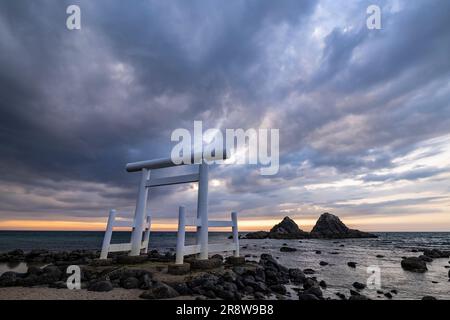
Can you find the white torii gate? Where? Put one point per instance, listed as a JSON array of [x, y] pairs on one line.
[[142, 222]]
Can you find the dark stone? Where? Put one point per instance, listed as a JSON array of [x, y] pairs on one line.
[[160, 291], [182, 288], [210, 294], [388, 295], [323, 263], [130, 283], [34, 270], [179, 269], [354, 293], [331, 227], [224, 294], [309, 282], [217, 256], [323, 284], [394, 291], [379, 256], [101, 286], [341, 296], [359, 285], [309, 271], [414, 264], [428, 298], [278, 288], [8, 279], [297, 276], [351, 264], [287, 249], [435, 253], [307, 297], [315, 291], [257, 235], [318, 252]]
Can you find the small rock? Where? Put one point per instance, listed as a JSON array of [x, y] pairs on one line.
[[414, 264], [309, 271], [217, 256], [8, 279], [160, 291], [323, 263], [354, 293], [318, 252], [323, 284], [101, 286], [130, 283], [388, 295], [341, 296], [309, 282], [394, 291], [297, 276], [278, 288], [287, 249], [359, 285], [315, 291], [379, 256], [351, 264], [307, 297], [429, 298]]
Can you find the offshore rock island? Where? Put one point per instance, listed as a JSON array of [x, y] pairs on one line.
[[328, 226]]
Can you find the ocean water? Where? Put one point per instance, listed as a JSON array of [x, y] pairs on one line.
[[338, 276]]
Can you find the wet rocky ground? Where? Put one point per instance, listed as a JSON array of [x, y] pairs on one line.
[[254, 277]]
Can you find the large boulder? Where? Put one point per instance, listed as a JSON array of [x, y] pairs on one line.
[[8, 279], [287, 229], [414, 264], [330, 226]]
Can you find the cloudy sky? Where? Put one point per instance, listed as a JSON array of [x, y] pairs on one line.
[[364, 115]]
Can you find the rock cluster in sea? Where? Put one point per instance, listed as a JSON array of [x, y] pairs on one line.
[[419, 264], [328, 226]]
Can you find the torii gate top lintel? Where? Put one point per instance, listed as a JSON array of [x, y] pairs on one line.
[[168, 162]]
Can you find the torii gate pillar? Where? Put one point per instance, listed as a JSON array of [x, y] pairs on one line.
[[202, 211]]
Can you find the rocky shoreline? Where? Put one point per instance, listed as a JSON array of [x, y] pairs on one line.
[[328, 226], [155, 276]]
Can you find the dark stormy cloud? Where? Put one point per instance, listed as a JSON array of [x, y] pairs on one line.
[[364, 115]]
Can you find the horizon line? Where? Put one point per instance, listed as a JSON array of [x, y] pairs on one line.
[[214, 231]]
